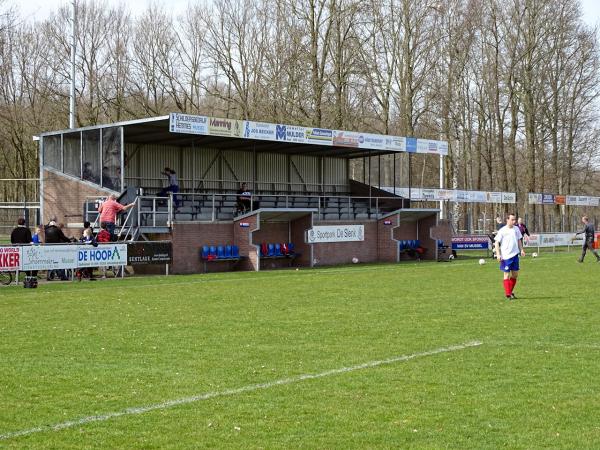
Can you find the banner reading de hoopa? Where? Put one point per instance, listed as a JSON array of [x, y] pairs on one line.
[[102, 256]]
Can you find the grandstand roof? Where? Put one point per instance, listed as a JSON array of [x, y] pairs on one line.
[[156, 130]]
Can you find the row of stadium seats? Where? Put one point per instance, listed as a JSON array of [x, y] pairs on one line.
[[277, 250], [220, 252], [410, 244]]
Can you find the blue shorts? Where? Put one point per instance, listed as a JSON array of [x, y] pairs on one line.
[[512, 264]]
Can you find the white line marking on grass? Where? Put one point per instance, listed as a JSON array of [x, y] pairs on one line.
[[229, 392]]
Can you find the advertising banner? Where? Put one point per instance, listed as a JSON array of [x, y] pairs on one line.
[[548, 199], [552, 240], [290, 133], [509, 197], [346, 138], [49, 257], [335, 233], [259, 130], [102, 256], [494, 197], [248, 129], [225, 127], [142, 253], [395, 143], [10, 259], [320, 136], [373, 141], [187, 123], [470, 242]]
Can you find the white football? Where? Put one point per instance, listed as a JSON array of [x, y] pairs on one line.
[[451, 257], [354, 260], [481, 262], [534, 255]]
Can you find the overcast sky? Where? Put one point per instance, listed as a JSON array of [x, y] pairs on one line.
[[39, 9]]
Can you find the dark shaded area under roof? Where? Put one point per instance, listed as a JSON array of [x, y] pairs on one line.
[[157, 132]]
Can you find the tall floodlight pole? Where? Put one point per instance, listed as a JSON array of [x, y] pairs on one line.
[[73, 52]]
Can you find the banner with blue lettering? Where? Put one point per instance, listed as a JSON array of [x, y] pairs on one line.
[[102, 256]]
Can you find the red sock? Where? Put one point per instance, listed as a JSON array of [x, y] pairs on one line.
[[513, 282], [507, 286]]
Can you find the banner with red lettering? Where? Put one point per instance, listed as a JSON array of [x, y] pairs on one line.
[[10, 259]]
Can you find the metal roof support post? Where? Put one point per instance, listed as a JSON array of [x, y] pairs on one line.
[[379, 170], [394, 173], [409, 175], [122, 165]]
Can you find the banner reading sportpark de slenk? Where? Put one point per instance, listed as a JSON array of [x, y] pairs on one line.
[[277, 132]]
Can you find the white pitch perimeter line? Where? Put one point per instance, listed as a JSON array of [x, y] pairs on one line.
[[229, 392]]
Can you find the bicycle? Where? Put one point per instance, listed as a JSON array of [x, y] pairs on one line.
[[6, 278]]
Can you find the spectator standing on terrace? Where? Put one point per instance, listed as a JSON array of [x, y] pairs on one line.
[[173, 185], [102, 238], [508, 245], [588, 240], [108, 212]]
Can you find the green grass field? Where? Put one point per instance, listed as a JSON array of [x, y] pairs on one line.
[[235, 349]]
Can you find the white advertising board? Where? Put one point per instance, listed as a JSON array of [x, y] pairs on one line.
[[101, 256], [49, 257], [335, 233], [188, 123]]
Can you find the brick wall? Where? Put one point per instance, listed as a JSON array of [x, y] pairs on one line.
[[298, 231], [188, 239], [387, 246], [343, 252], [427, 242], [63, 198], [243, 239]]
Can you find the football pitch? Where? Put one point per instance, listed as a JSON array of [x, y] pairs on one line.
[[411, 355]]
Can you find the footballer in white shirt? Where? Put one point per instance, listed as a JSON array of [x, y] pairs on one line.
[[509, 246]]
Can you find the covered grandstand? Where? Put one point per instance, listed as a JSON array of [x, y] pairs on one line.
[[298, 176]]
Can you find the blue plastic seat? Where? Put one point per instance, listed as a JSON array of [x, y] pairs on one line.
[[205, 252], [291, 248], [228, 251], [271, 250], [212, 251], [220, 251], [417, 243], [235, 251], [278, 250]]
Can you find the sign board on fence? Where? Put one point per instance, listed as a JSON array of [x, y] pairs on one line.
[[335, 233], [470, 242], [102, 256], [10, 259], [141, 253], [552, 240], [49, 257]]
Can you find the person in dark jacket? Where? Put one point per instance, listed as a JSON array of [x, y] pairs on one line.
[[54, 235], [588, 242], [523, 228], [22, 235]]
